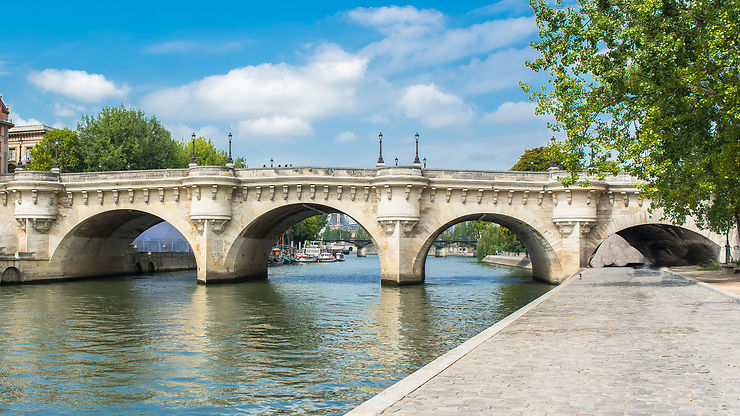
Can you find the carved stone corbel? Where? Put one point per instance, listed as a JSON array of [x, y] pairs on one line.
[[511, 196], [161, 194], [70, 198], [421, 193], [388, 226], [586, 227], [610, 195], [218, 226], [432, 192], [377, 193], [408, 227], [408, 191], [495, 196], [326, 192], [626, 198], [230, 193], [480, 195], [4, 196], [464, 195], [115, 196], [449, 194], [272, 192], [18, 197], [176, 191], [22, 223], [298, 191], [146, 195], [554, 197], [525, 196], [245, 193], [639, 198], [190, 194], [589, 197], [196, 191], [199, 225], [258, 190], [100, 196], [42, 225], [214, 192], [388, 191], [34, 196], [367, 193], [540, 195], [565, 227], [569, 196], [352, 191], [130, 196], [312, 192], [339, 192], [285, 192], [84, 197]]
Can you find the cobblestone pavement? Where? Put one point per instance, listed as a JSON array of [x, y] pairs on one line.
[[619, 341]]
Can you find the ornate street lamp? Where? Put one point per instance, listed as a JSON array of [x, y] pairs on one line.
[[20, 152], [56, 153], [425, 163], [271, 162], [553, 164], [417, 162], [192, 156], [380, 150], [229, 161], [396, 159]]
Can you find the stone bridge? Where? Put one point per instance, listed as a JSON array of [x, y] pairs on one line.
[[69, 225]]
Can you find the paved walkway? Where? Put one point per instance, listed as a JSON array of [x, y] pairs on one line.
[[616, 342]]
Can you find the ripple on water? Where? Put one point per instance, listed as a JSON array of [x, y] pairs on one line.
[[313, 339]]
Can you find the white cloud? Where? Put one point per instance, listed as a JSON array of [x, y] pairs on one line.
[[187, 46], [19, 121], [277, 126], [433, 107], [418, 37], [325, 86], [513, 112], [67, 109], [181, 131], [78, 85], [505, 6], [345, 136], [500, 70]]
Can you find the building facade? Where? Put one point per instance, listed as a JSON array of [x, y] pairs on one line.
[[5, 125], [21, 140]]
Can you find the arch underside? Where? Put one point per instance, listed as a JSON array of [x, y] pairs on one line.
[[669, 245], [545, 262], [100, 245], [248, 256]]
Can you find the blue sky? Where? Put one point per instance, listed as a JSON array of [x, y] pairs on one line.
[[306, 83]]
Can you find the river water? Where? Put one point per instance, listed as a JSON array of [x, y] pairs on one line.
[[312, 339]]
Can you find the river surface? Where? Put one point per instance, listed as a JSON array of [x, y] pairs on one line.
[[313, 339]]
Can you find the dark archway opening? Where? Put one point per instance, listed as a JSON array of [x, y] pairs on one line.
[[661, 245]]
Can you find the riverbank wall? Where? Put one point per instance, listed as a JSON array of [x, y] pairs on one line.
[[155, 262], [513, 261]]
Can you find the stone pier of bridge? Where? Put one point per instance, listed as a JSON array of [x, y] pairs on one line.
[[70, 225]]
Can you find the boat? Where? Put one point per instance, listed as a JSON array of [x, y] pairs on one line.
[[339, 256], [305, 258], [326, 257]]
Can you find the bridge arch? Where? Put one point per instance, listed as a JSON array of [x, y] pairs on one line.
[[545, 262], [248, 255], [98, 244], [660, 241]]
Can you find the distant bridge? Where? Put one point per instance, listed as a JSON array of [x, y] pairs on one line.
[[67, 225]]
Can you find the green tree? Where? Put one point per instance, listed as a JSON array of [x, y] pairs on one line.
[[119, 136], [362, 234], [308, 229], [42, 155], [206, 154], [495, 238], [653, 86], [537, 159]]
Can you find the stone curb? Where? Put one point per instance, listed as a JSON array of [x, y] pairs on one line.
[[406, 386], [709, 286]]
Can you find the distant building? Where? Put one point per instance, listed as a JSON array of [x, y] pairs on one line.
[[337, 221], [21, 140], [5, 125]]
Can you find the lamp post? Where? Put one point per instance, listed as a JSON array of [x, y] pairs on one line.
[[380, 151], [229, 161], [417, 162], [56, 153], [396, 159], [192, 156], [553, 164], [425, 162], [271, 162], [20, 152]]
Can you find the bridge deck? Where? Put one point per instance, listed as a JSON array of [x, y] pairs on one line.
[[618, 341]]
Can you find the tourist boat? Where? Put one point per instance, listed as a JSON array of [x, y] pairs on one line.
[[275, 257], [326, 257], [339, 256], [305, 258]]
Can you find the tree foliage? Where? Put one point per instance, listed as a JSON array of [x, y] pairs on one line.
[[42, 155], [537, 159], [653, 86], [119, 136], [495, 238], [464, 231], [308, 229]]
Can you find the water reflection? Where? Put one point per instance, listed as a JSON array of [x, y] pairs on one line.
[[315, 339]]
